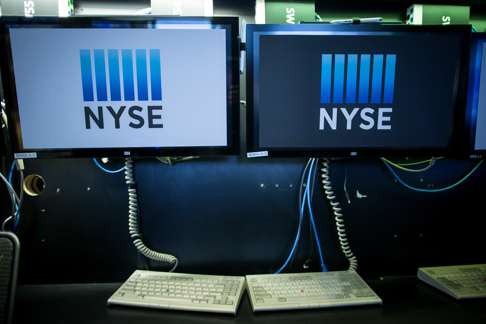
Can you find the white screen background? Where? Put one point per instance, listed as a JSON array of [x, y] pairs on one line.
[[50, 98]]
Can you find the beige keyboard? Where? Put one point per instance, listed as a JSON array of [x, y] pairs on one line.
[[309, 290], [460, 282], [189, 292]]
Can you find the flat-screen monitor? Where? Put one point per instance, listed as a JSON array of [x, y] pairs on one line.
[[324, 90], [476, 107], [121, 86]]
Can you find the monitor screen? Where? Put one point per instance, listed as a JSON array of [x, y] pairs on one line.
[[122, 87], [477, 94], [320, 89]]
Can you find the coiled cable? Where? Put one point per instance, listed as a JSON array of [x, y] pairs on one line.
[[338, 216], [133, 226]]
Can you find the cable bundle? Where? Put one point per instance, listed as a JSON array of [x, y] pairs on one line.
[[16, 199], [305, 199]]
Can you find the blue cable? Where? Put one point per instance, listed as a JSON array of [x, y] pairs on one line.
[[296, 240], [313, 224], [98, 164], [406, 185], [10, 172], [306, 198], [17, 219], [297, 236], [17, 211]]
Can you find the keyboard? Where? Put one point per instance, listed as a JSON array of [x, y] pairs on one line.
[[189, 292], [460, 282], [309, 290]]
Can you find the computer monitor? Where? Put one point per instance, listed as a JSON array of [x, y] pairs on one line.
[[476, 107], [340, 90], [121, 86]]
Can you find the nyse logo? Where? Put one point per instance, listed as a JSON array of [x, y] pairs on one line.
[[122, 85], [355, 85]]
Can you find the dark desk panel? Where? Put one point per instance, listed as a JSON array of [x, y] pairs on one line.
[[405, 301]]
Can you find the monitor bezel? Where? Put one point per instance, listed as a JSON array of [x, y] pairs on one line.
[[456, 144], [472, 101], [230, 24]]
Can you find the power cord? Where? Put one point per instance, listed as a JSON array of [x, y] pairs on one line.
[[133, 225], [338, 216]]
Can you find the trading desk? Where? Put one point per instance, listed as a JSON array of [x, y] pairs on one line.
[[406, 300]]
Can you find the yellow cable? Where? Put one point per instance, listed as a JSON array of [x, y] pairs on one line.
[[403, 168], [420, 162]]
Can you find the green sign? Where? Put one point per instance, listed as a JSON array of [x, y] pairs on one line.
[[289, 12]]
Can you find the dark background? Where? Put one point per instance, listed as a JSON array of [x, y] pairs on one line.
[[235, 216], [238, 216]]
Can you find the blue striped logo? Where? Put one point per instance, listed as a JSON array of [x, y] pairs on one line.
[[115, 71], [358, 78]]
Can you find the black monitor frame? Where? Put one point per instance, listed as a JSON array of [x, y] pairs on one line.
[[473, 88], [230, 24], [455, 147]]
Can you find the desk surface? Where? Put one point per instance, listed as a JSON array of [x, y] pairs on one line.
[[406, 300]]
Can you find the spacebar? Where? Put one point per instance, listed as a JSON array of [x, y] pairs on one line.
[[307, 300], [175, 300], [162, 301]]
